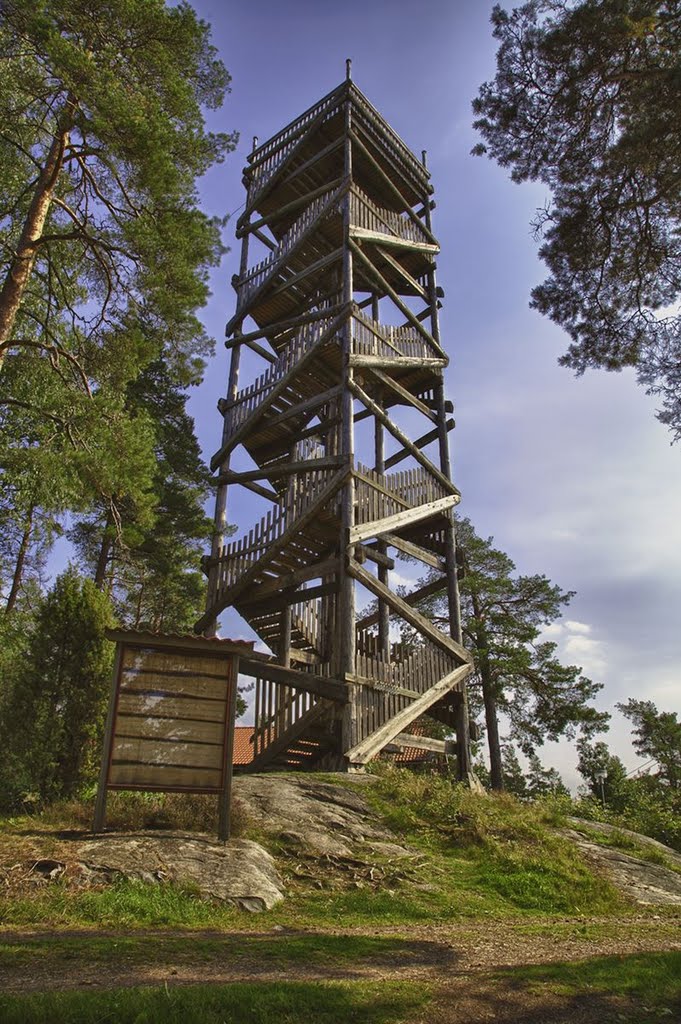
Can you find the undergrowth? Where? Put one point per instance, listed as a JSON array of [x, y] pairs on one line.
[[510, 847]]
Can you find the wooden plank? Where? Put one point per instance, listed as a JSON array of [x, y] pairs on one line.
[[152, 683], [310, 572], [373, 744], [182, 708], [286, 469], [414, 618], [379, 527], [405, 739], [320, 686], [133, 776], [256, 602], [394, 362], [171, 753], [152, 728], [394, 241]]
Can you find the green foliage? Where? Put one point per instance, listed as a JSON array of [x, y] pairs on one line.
[[384, 1002], [124, 83], [587, 100], [53, 714], [643, 804], [503, 614], [657, 736], [148, 557]]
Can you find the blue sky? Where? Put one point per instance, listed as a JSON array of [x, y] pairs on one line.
[[574, 478]]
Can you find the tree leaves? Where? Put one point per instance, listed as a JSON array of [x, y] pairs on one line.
[[587, 99]]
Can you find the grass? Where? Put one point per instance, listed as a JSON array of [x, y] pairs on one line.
[[619, 840], [312, 949], [651, 980], [503, 850], [284, 1002], [477, 857]]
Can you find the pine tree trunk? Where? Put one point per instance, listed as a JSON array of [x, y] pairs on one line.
[[21, 266], [104, 555], [19, 566], [491, 720]]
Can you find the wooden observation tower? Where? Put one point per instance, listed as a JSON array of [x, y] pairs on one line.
[[346, 428]]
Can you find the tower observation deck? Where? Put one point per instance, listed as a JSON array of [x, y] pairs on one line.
[[346, 428]]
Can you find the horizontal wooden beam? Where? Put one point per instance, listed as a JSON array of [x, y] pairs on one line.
[[403, 362], [405, 739], [373, 744], [285, 469], [393, 241], [319, 570], [263, 667], [283, 600]]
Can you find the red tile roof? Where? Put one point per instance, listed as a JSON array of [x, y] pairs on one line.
[[243, 749]]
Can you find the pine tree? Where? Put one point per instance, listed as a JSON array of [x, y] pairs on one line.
[[587, 100], [54, 715], [516, 673]]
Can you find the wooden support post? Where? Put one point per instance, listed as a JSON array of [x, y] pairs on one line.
[[462, 729], [346, 597], [225, 798], [100, 803], [381, 546]]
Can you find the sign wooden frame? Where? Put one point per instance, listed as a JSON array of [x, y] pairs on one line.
[[170, 723]]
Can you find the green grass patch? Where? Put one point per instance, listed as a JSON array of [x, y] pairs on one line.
[[281, 949], [516, 860], [651, 980], [284, 1002], [121, 904]]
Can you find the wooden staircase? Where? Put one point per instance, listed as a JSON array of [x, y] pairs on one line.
[[342, 208]]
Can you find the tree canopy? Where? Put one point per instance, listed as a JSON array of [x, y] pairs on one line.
[[587, 100], [103, 139]]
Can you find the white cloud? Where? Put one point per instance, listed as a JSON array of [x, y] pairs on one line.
[[577, 627]]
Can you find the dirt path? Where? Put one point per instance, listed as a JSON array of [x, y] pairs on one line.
[[448, 955]]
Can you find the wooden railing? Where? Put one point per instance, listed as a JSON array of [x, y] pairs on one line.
[[417, 671], [259, 273], [237, 557], [268, 157], [365, 214], [387, 138], [249, 398], [385, 494], [369, 338], [277, 708]]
